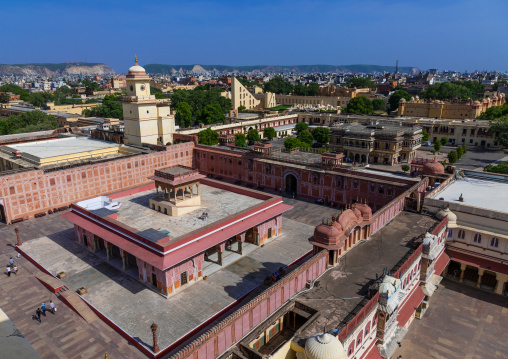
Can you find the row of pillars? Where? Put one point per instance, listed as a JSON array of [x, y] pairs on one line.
[[499, 278]]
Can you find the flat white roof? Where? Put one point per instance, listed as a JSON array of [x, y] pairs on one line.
[[61, 146], [476, 192]]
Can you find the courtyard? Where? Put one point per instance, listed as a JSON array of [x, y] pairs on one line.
[[462, 322]]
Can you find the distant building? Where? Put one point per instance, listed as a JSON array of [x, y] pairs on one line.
[[240, 96]]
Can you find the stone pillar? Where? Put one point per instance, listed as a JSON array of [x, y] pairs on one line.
[[125, 262], [462, 269], [240, 246], [445, 271], [220, 249], [480, 275], [501, 279], [17, 235], [155, 348]]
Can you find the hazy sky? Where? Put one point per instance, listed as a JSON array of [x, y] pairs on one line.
[[447, 34]]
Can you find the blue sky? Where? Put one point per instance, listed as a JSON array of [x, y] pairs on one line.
[[447, 34]]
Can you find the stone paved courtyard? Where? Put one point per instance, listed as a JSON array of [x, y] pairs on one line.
[[133, 306], [462, 322]]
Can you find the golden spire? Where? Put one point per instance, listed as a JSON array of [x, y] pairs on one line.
[[135, 58], [106, 357]]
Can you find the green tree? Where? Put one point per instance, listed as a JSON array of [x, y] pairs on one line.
[[306, 137], [241, 108], [321, 134], [90, 86], [437, 145], [29, 121], [464, 148], [452, 156], [269, 132], [211, 114], [378, 104], [15, 89], [183, 116], [253, 135], [460, 152], [394, 99], [500, 129], [426, 135], [111, 107], [405, 168], [240, 140], [496, 85], [500, 168], [494, 112], [4, 97], [301, 126], [360, 105], [294, 142], [303, 90], [208, 137], [464, 90], [160, 96], [444, 141], [361, 82], [279, 86]]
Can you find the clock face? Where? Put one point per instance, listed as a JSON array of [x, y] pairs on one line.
[[142, 87]]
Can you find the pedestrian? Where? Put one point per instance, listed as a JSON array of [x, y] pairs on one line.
[[52, 307], [15, 270], [43, 307], [293, 194], [38, 313], [280, 189], [8, 271], [11, 262]]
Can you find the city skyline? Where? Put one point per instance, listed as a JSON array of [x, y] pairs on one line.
[[443, 36]]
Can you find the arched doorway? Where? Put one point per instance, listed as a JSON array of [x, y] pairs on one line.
[[489, 281], [454, 270], [471, 275], [291, 184], [357, 158], [364, 158]]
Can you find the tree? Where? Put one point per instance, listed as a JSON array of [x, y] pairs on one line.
[[464, 90], [426, 135], [208, 137], [306, 137], [4, 97], [240, 140], [444, 141], [464, 148], [241, 108], [500, 128], [494, 112], [253, 135], [90, 86], [405, 168], [111, 107], [269, 133], [360, 105], [394, 99], [302, 126], [29, 121], [303, 90], [361, 82], [378, 104], [211, 114], [500, 168], [460, 152], [437, 145], [294, 142], [321, 134], [496, 85], [452, 156], [183, 116], [160, 96], [279, 86], [15, 89]]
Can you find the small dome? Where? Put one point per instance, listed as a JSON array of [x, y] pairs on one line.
[[389, 285], [347, 217], [452, 217], [137, 69], [427, 241], [402, 100], [477, 103], [324, 346], [326, 234], [432, 168], [365, 210]]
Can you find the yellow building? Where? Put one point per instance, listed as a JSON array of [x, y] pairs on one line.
[[147, 120], [451, 110], [240, 96]]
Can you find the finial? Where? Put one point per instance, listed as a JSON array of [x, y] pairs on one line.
[[106, 356], [324, 329], [136, 59]]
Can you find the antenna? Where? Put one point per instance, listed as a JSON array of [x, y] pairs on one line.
[[397, 67]]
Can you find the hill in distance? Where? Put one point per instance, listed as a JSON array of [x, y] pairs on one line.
[[168, 69], [48, 69]]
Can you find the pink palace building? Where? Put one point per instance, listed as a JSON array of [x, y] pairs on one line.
[[175, 230]]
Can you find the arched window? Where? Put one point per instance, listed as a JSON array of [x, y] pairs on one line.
[[461, 234], [477, 238], [450, 233], [494, 242]]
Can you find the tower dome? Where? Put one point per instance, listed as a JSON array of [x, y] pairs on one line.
[[136, 69], [433, 168], [324, 346]]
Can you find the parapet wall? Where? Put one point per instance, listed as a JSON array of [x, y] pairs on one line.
[[25, 194]]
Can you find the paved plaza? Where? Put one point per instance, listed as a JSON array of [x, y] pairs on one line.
[[462, 322], [134, 307], [218, 203]]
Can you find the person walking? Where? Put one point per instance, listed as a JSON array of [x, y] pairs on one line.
[[8, 271], [15, 269], [52, 307], [38, 312], [43, 307], [11, 262]]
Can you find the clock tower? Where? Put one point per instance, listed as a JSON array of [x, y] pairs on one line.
[[147, 120]]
